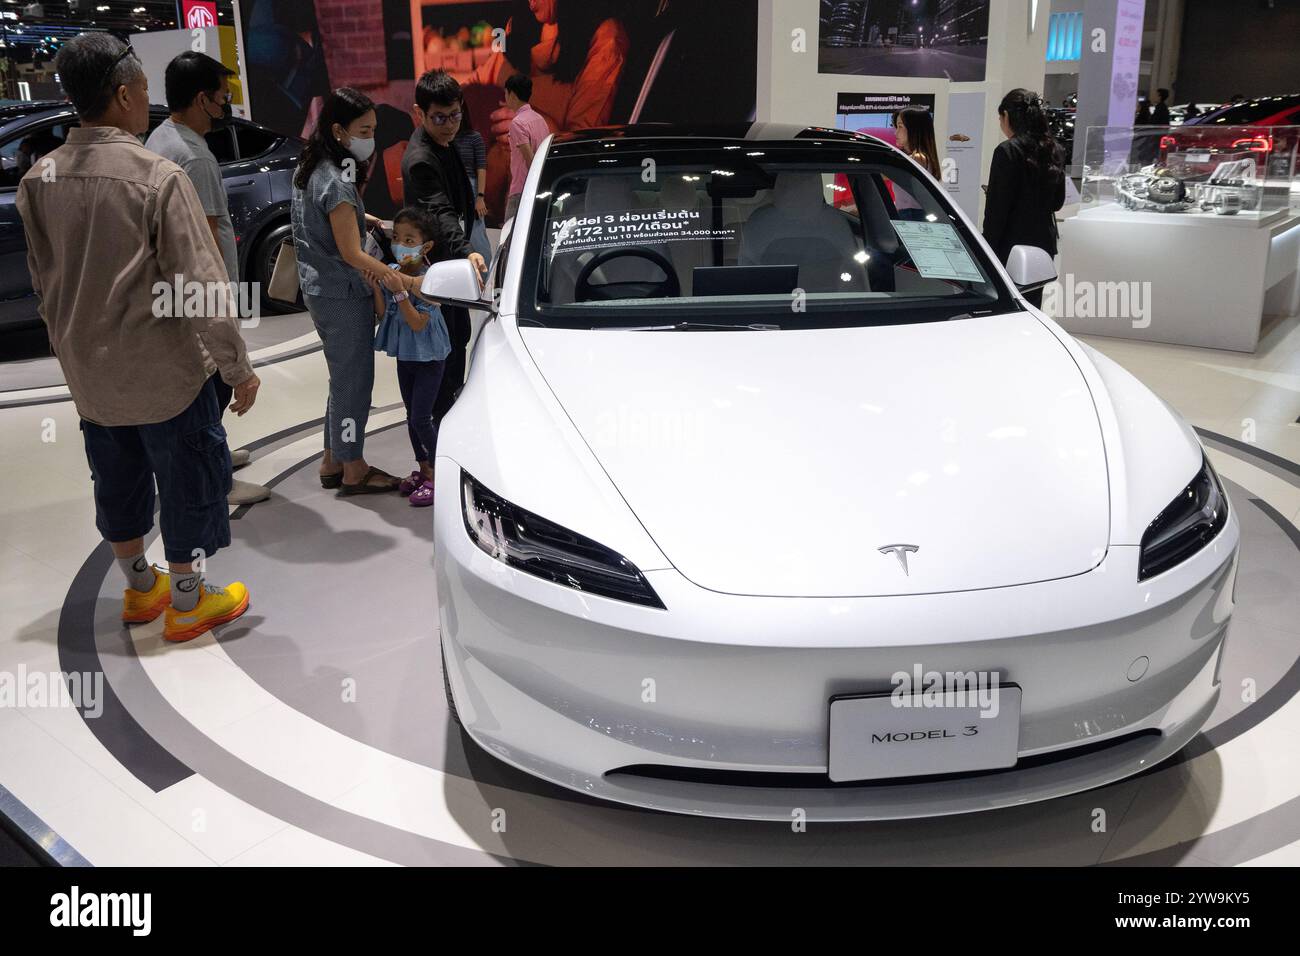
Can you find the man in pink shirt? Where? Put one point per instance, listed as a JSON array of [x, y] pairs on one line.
[[527, 130]]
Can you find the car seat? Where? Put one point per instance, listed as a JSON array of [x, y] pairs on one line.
[[800, 228]]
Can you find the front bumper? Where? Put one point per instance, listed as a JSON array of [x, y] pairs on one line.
[[719, 705]]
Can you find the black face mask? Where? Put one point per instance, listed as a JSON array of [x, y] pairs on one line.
[[222, 121]]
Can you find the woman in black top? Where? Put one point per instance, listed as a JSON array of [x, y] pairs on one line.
[[1026, 181], [473, 156]]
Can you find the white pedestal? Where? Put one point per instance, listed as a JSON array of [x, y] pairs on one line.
[[1212, 279]]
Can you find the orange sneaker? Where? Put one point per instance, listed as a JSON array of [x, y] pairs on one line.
[[141, 607], [216, 606]]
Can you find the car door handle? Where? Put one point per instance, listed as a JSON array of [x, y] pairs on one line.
[[246, 182]]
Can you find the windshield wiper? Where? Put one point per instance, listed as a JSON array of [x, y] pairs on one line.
[[692, 327]]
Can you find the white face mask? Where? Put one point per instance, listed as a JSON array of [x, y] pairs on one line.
[[361, 148]]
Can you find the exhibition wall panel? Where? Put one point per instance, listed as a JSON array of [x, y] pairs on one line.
[[641, 60], [791, 88]]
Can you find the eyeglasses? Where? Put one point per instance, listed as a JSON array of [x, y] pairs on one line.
[[442, 119], [129, 51]]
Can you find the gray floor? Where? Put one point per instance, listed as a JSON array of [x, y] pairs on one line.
[[344, 588]]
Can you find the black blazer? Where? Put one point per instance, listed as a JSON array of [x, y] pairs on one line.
[[1020, 208], [434, 178]]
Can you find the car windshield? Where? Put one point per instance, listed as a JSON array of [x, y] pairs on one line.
[[751, 233]]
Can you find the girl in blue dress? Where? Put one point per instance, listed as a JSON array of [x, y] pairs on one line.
[[412, 330]]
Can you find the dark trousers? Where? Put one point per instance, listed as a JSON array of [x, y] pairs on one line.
[[419, 383], [224, 392], [187, 457], [453, 372]]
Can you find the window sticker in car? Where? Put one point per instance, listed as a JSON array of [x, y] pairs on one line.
[[937, 251], [631, 227]]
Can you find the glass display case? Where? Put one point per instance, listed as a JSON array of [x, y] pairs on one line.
[[1190, 170]]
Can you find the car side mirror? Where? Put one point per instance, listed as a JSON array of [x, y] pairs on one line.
[[454, 282], [1030, 267]]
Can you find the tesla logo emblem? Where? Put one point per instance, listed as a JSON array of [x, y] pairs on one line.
[[899, 551]]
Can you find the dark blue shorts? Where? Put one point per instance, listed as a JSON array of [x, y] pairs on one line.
[[188, 459]]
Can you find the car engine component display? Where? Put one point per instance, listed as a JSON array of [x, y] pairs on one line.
[[1231, 188], [1166, 189], [1147, 192]]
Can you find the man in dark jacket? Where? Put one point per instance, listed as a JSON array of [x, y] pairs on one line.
[[434, 179], [1160, 112]]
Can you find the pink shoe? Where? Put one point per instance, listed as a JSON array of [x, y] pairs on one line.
[[422, 497], [408, 484]]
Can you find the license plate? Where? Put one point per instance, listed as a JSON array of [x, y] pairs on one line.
[[876, 736]]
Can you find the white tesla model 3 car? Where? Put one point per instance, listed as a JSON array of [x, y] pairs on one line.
[[768, 494]]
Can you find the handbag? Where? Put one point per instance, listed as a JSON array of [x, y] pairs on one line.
[[376, 244], [284, 277]]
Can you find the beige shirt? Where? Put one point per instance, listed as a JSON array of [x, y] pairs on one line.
[[109, 226]]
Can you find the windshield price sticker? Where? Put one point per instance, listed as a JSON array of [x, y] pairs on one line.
[[937, 251], [631, 228]]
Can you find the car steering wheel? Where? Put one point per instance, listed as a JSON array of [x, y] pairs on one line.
[[584, 290]]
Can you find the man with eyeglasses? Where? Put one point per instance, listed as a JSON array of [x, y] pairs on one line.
[[107, 223], [434, 179], [433, 176]]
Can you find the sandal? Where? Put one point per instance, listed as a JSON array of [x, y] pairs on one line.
[[331, 481], [366, 487], [422, 497], [412, 481]]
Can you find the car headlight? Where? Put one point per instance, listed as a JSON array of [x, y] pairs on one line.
[[1187, 524], [539, 547]]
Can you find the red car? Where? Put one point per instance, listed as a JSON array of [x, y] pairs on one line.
[[1207, 133]]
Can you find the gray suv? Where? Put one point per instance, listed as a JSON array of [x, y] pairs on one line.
[[257, 166]]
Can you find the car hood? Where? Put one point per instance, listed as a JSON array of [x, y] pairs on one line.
[[789, 462]]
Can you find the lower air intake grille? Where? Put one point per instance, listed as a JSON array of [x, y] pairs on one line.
[[776, 780]]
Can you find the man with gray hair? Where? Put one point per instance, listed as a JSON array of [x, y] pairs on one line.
[[108, 223]]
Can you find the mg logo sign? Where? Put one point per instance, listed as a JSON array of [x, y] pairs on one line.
[[199, 14]]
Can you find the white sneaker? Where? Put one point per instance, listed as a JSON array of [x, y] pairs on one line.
[[246, 493], [239, 457]]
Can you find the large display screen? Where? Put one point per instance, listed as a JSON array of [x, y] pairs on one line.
[[931, 38]]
